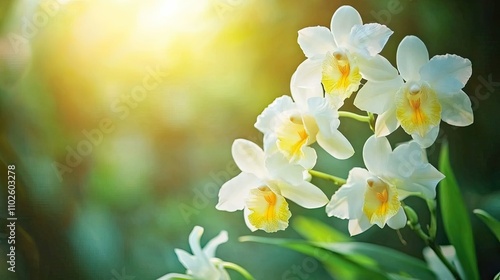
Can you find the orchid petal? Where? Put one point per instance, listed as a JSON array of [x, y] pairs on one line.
[[405, 159], [304, 194], [336, 144], [357, 226], [306, 82], [249, 157], [189, 261], [377, 68], [397, 221], [376, 152], [279, 168], [346, 202], [411, 55], [378, 96], [316, 41], [386, 123], [424, 181], [175, 276], [447, 69], [234, 192], [437, 266], [456, 108], [246, 213], [428, 138], [328, 137], [194, 242], [371, 37], [310, 157], [343, 20], [212, 245], [266, 119]]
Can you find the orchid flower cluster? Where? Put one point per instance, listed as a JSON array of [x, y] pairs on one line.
[[416, 96], [341, 62]]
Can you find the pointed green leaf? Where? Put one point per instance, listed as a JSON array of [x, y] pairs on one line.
[[362, 259], [340, 266], [393, 262], [314, 230], [491, 222], [456, 217]]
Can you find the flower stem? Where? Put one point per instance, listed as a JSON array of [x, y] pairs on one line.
[[430, 241], [443, 259], [354, 116], [336, 180], [431, 204], [371, 121], [239, 269], [370, 118]]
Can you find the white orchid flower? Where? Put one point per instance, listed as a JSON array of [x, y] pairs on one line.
[[263, 186], [290, 128], [425, 92], [202, 265], [339, 57], [373, 196], [288, 131]]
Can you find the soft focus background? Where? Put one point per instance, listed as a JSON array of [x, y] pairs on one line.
[[119, 116]]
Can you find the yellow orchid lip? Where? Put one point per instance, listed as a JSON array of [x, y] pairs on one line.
[[381, 201], [269, 211], [340, 74], [417, 108], [292, 136]]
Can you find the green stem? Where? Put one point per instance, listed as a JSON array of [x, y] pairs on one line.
[[431, 242], [431, 204], [371, 121], [354, 116], [239, 269], [443, 259], [336, 180], [370, 118]]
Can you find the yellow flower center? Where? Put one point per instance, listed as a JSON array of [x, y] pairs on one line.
[[340, 75], [292, 136], [381, 201], [268, 210], [417, 108]]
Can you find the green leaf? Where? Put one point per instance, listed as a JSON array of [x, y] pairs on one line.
[[314, 230], [356, 260], [456, 217], [341, 267], [491, 222], [388, 260]]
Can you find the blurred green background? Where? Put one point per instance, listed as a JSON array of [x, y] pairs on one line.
[[119, 116]]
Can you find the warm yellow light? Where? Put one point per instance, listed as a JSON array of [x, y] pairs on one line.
[[114, 42]]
